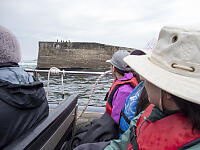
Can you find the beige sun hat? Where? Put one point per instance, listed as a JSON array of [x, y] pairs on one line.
[[174, 64]]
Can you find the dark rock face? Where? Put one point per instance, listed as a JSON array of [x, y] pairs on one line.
[[75, 55]]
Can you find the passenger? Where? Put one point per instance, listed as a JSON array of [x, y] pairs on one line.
[[106, 127], [23, 103], [143, 101], [137, 52], [172, 81], [136, 102], [122, 86]]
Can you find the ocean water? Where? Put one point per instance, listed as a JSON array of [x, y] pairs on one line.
[[73, 83]]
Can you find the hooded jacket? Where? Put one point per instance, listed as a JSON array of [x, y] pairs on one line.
[[120, 95], [23, 103]]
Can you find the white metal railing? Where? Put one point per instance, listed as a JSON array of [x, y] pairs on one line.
[[57, 71], [63, 71]]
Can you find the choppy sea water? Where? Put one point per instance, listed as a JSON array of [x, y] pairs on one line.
[[73, 83]]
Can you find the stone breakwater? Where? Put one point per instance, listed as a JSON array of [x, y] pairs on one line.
[[75, 55]]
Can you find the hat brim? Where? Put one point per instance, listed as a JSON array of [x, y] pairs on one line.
[[184, 87], [108, 61]]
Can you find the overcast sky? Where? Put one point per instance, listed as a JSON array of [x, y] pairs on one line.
[[129, 23]]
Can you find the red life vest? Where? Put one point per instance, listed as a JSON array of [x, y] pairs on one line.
[[115, 85], [168, 133]]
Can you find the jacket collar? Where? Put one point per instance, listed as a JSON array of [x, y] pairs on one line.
[[157, 114], [8, 64]]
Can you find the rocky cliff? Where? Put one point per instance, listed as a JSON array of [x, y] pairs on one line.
[[75, 55]]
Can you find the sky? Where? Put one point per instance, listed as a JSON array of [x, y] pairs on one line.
[[128, 23]]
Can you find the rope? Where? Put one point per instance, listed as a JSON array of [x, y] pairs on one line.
[[191, 69], [93, 90], [55, 70], [62, 76]]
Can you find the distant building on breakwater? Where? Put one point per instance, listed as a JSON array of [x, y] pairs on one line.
[[75, 55]]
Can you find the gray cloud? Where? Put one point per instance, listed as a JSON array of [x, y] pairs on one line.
[[130, 23]]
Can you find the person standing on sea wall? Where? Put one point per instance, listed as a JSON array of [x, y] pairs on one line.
[[23, 102]]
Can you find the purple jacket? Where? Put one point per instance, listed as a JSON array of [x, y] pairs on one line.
[[120, 96]]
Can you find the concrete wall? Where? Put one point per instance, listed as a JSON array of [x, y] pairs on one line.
[[75, 55]]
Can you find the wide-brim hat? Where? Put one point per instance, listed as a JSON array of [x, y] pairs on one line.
[[174, 64]]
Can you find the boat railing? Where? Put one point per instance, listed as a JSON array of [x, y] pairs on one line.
[[54, 70]]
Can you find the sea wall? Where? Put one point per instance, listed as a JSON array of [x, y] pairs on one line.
[[75, 55]]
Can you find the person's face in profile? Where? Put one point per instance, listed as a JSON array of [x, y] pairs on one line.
[[153, 92], [112, 68]]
